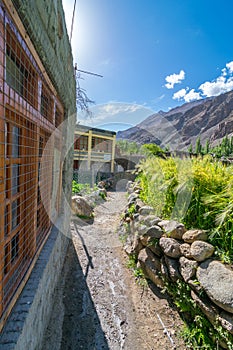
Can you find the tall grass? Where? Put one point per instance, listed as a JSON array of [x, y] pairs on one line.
[[198, 192]]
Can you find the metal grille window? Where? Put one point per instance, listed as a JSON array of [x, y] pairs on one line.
[[29, 114], [20, 74]]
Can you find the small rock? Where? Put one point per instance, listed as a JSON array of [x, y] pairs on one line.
[[201, 250], [185, 250], [132, 198], [188, 268], [146, 210], [139, 204], [144, 240], [173, 229], [154, 232], [173, 269], [81, 206], [150, 265], [150, 220], [226, 321], [141, 229], [137, 245], [170, 247], [155, 248]]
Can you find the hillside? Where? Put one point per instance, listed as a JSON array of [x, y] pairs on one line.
[[210, 118]]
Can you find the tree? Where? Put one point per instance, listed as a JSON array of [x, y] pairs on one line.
[[82, 100], [190, 148], [198, 148], [151, 149], [207, 147]]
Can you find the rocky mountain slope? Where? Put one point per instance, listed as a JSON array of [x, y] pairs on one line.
[[210, 118]]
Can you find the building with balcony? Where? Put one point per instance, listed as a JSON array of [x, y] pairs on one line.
[[94, 151]]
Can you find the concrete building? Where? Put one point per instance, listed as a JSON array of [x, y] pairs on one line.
[[94, 151], [37, 116]]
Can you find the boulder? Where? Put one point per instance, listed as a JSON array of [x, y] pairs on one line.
[[217, 281], [188, 268], [173, 229], [150, 265], [201, 250], [185, 250], [194, 235], [170, 247], [82, 207]]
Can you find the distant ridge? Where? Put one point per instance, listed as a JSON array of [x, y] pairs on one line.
[[210, 118]]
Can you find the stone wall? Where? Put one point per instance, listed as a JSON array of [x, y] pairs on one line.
[[168, 253]]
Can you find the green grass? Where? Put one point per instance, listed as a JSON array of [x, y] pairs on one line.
[[198, 193]]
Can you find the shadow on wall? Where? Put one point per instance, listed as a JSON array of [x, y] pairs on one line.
[[81, 328]]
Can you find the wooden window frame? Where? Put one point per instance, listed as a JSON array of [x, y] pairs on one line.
[[16, 57]]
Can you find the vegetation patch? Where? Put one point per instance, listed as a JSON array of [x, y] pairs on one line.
[[197, 192]]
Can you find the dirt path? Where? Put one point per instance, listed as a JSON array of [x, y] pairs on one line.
[[98, 305]]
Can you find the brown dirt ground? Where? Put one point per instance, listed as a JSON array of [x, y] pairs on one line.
[[98, 304]]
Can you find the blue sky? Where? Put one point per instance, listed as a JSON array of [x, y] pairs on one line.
[[153, 55]]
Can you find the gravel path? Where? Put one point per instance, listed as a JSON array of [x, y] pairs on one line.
[[97, 304]]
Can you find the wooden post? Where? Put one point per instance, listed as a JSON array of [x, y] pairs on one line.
[[89, 150], [113, 153]]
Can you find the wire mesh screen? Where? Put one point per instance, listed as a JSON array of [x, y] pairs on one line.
[[29, 114]]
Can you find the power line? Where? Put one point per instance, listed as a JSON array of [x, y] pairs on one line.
[[72, 24]]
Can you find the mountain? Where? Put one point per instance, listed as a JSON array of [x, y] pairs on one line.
[[210, 118]]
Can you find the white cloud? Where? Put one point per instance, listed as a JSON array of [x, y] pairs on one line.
[[223, 83], [115, 112], [216, 87], [115, 108], [187, 95], [230, 66], [192, 95], [179, 95], [174, 79]]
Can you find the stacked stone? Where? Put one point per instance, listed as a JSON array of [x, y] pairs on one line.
[[167, 252]]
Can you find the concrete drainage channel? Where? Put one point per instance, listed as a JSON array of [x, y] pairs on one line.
[[97, 304]]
